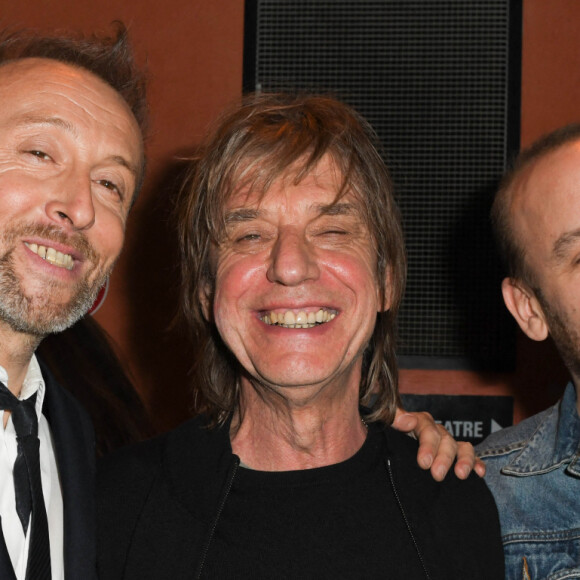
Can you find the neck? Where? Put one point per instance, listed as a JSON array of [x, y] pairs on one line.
[[16, 350], [287, 435]]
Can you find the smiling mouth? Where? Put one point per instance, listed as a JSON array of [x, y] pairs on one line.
[[300, 319], [52, 256]]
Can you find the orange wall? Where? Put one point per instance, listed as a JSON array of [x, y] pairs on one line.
[[193, 51]]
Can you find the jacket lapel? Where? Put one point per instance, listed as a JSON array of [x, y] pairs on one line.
[[75, 457]]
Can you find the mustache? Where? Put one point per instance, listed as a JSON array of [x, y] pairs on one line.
[[76, 240]]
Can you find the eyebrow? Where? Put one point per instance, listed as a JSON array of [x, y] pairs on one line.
[[338, 209], [564, 242], [241, 215], [46, 120], [70, 128], [122, 161]]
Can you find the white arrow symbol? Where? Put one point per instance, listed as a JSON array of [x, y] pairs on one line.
[[495, 426]]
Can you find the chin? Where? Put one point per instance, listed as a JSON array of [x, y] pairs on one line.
[[40, 316]]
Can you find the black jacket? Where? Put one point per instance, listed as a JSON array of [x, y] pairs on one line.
[[74, 446], [159, 503]]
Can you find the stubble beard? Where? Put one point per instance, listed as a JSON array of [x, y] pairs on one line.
[[40, 314]]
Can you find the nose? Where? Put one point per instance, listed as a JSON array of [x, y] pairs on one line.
[[71, 204], [293, 260]]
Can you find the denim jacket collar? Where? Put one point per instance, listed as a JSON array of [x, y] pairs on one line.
[[556, 441]]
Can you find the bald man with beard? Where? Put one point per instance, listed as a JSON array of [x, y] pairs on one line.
[[532, 468]]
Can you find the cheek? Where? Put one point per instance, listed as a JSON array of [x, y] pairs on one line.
[[238, 283], [108, 237], [222, 308], [17, 191], [358, 272], [227, 318], [239, 276], [227, 284]]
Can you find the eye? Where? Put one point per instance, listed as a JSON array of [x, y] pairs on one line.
[[249, 235], [250, 240], [39, 154], [253, 237], [331, 232], [111, 186]]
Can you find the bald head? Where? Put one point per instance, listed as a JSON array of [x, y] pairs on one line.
[[517, 208]]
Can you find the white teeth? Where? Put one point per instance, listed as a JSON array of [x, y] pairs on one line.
[[301, 319], [52, 256]]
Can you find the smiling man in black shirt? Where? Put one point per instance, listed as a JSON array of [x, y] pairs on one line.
[[293, 268]]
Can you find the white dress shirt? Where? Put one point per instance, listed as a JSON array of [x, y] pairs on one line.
[[16, 541]]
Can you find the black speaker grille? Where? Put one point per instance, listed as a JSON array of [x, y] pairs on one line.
[[436, 80]]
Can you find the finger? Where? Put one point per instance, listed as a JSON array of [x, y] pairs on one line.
[[431, 436], [479, 467], [405, 422], [446, 454], [465, 460]]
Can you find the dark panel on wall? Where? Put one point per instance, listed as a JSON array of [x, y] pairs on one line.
[[439, 82]]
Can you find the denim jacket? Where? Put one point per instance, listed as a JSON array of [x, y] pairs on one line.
[[533, 471]]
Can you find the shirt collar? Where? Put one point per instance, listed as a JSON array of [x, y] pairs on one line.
[[33, 383], [556, 441]]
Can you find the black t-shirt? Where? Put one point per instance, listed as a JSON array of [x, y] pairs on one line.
[[339, 521]]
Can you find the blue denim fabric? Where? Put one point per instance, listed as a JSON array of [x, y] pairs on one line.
[[534, 474]]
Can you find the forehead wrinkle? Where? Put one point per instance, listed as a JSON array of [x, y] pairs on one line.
[[31, 120], [87, 94]]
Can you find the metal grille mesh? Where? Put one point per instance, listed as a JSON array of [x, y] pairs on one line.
[[431, 76]]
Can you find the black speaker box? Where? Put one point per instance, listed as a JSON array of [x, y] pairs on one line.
[[439, 80]]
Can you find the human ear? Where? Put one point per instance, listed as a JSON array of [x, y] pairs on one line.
[[525, 308], [386, 303], [205, 299]]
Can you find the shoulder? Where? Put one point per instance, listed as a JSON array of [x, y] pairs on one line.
[[142, 460], [157, 492], [68, 419], [404, 456], [59, 399], [178, 454], [133, 462], [512, 439], [460, 513], [124, 482]]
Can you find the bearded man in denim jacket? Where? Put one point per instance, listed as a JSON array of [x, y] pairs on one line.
[[532, 468]]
